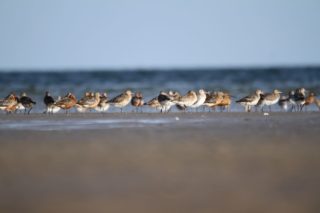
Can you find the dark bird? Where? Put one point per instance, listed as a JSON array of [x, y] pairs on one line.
[[27, 102], [48, 99], [300, 98], [165, 101]]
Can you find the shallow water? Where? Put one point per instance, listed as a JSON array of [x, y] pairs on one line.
[[80, 124]]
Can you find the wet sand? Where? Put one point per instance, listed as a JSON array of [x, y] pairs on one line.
[[198, 162]]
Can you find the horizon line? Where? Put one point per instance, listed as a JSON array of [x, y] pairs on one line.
[[155, 69]]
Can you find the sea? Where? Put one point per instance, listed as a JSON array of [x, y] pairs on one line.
[[238, 82]]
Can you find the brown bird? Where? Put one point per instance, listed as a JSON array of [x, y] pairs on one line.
[[214, 99], [121, 100], [67, 102], [137, 101], [310, 99], [89, 102], [9, 103], [225, 103], [154, 103], [187, 100]]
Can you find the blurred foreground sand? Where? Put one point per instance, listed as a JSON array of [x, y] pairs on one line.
[[232, 162]]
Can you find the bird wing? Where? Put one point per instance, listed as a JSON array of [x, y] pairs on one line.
[[26, 100], [48, 100], [269, 97], [162, 97], [63, 101], [246, 99], [117, 99]]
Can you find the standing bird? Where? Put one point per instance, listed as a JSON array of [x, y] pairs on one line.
[[103, 104], [18, 107], [137, 101], [284, 103], [66, 102], [48, 100], [300, 98], [310, 99], [9, 103], [269, 99], [214, 99], [292, 101], [88, 102], [250, 100], [187, 100], [121, 100], [225, 103], [154, 103], [26, 102], [201, 98], [165, 101]]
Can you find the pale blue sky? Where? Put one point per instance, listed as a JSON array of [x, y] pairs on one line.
[[58, 34]]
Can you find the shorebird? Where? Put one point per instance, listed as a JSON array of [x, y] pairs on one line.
[[175, 95], [2, 107], [137, 100], [299, 98], [88, 102], [154, 103], [165, 101], [17, 107], [66, 102], [27, 102], [187, 100], [269, 99], [103, 105], [121, 100], [250, 100], [284, 103], [53, 108], [214, 99], [78, 106], [48, 100], [317, 102], [225, 103], [292, 101], [201, 98], [310, 99], [9, 103]]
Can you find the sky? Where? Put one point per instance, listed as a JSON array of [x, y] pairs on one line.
[[132, 34]]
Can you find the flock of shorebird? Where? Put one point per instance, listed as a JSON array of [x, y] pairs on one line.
[[296, 100]]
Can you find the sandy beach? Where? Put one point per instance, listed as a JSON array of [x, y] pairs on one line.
[[150, 162]]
